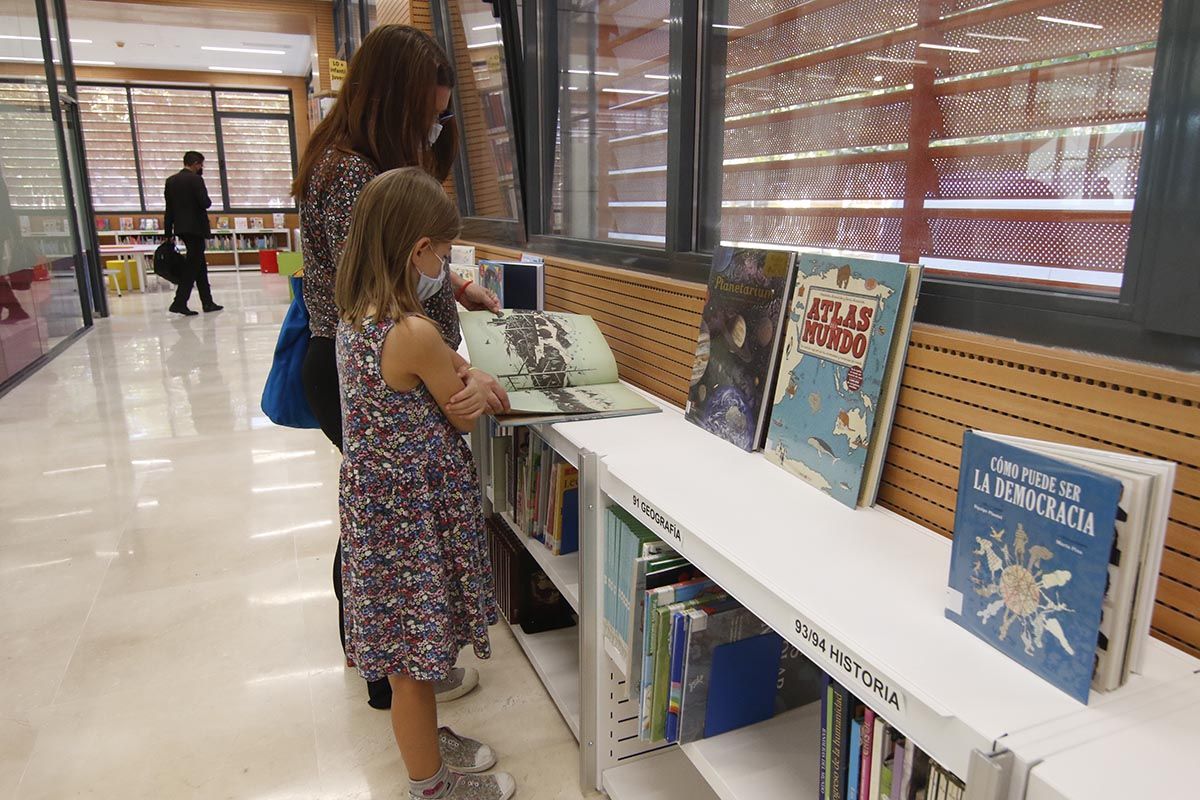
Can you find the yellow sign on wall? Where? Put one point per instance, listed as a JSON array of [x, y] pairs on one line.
[[337, 72]]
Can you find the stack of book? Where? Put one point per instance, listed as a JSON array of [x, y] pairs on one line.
[[1056, 556], [864, 758], [696, 661], [541, 490]]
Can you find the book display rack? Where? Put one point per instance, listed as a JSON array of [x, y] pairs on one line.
[[861, 593]]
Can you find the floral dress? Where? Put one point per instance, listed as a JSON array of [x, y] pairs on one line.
[[415, 567]]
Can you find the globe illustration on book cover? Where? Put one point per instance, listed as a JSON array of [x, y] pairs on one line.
[[728, 413]]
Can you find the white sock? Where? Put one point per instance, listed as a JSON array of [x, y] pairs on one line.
[[432, 788]]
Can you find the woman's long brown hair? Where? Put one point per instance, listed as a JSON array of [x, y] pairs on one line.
[[385, 105], [393, 212]]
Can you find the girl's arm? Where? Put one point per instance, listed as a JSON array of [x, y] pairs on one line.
[[478, 380], [413, 353]]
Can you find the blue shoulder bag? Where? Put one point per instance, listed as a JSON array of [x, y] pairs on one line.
[[283, 399]]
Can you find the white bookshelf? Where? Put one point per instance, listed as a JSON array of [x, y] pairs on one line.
[[664, 776], [125, 236], [872, 585], [555, 658], [563, 570], [770, 759]]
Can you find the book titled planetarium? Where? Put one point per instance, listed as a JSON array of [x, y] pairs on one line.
[[737, 351]]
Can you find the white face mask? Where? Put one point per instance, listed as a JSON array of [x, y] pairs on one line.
[[427, 287], [434, 132]]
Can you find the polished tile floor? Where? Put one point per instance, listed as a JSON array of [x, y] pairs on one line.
[[167, 625]]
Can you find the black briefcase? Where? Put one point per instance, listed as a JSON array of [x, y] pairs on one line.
[[169, 263]]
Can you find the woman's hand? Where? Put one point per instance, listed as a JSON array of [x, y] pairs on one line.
[[478, 380], [477, 298]]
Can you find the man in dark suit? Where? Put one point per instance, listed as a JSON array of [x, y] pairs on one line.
[[187, 218]]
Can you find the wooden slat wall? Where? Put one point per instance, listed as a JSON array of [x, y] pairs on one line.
[[953, 380]]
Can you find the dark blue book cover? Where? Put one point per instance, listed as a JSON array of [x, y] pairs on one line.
[[743, 683], [570, 522], [737, 351], [1029, 563]]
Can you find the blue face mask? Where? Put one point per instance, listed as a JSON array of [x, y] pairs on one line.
[[427, 287]]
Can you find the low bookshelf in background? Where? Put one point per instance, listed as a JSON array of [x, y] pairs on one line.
[[235, 242]]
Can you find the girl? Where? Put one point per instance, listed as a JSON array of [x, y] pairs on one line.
[[390, 107], [415, 568]]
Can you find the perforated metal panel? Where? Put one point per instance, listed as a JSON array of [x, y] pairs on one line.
[[1008, 133], [848, 127]]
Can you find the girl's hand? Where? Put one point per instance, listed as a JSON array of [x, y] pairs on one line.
[[472, 401], [497, 398], [477, 298]]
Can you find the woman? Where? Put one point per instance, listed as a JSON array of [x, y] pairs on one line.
[[389, 113]]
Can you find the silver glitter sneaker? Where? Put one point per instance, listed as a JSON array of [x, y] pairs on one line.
[[461, 681], [464, 755], [494, 786]]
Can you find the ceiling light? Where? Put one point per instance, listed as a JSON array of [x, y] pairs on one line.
[[493, 27], [894, 60], [38, 39], [728, 27], [31, 60], [247, 69], [1075, 22], [877, 78], [256, 50], [630, 91], [590, 72], [484, 44], [949, 47], [997, 38], [654, 77]]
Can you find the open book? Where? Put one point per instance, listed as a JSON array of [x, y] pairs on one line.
[[556, 367]]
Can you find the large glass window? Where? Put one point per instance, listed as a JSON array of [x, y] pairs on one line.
[[482, 101], [990, 140], [169, 123], [40, 256], [136, 137], [108, 137], [610, 166]]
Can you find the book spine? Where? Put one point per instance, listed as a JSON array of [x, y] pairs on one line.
[[854, 768], [679, 634], [868, 745], [878, 747], [897, 769], [837, 745], [910, 759], [826, 725]]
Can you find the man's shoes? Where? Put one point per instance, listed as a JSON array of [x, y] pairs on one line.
[[184, 310], [213, 307]]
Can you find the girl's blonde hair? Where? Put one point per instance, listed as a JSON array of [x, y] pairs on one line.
[[393, 212]]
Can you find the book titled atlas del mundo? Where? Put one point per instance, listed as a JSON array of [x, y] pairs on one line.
[[843, 352]]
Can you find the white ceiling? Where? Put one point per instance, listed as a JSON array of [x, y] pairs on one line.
[[166, 37]]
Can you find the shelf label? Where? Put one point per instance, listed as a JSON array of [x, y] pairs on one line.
[[666, 528], [843, 666]]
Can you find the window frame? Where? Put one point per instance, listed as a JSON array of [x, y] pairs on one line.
[[1149, 320], [509, 231], [218, 117]]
